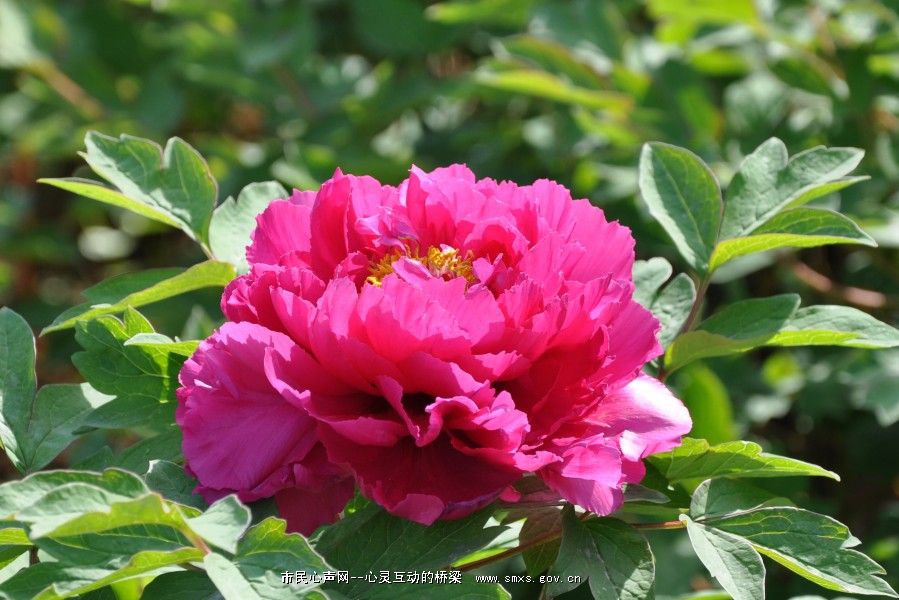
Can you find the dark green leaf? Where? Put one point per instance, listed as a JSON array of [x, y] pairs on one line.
[[611, 555], [173, 482], [17, 383], [684, 198]]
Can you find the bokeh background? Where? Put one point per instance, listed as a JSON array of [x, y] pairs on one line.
[[518, 89]]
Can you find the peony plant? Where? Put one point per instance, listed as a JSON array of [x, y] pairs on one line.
[[413, 384]]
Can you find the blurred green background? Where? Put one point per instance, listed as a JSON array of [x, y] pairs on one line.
[[518, 89]]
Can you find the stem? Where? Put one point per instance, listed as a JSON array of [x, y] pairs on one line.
[[664, 526], [32, 556]]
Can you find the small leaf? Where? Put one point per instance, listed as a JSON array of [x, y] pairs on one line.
[[234, 220], [794, 228], [540, 84], [730, 559], [222, 523], [767, 183], [173, 483], [696, 459], [611, 555], [649, 275], [683, 196], [175, 181], [815, 546], [672, 305], [138, 289], [142, 377]]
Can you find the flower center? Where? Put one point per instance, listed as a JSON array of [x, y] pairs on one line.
[[444, 262]]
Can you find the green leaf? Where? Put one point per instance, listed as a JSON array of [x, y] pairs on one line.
[[730, 559], [18, 382], [513, 13], [540, 84], [815, 546], [59, 410], [183, 585], [612, 555], [722, 496], [793, 228], [696, 459], [683, 196], [704, 11], [708, 401], [22, 493], [234, 220], [173, 482], [175, 181], [672, 305], [834, 325], [767, 183], [649, 275], [736, 328], [101, 193], [222, 523], [262, 555], [372, 540], [142, 377], [138, 289], [136, 458], [17, 48], [539, 523]]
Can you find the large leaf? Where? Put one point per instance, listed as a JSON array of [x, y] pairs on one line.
[[223, 523], [174, 181], [101, 193], [730, 559], [234, 220], [776, 321], [142, 377], [22, 493], [696, 459], [262, 556], [18, 382], [614, 557], [684, 198], [795, 228], [58, 412], [138, 289], [815, 546], [372, 540], [767, 183]]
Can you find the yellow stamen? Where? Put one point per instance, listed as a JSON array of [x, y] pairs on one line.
[[442, 262]]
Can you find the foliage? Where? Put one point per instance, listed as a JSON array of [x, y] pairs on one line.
[[770, 221]]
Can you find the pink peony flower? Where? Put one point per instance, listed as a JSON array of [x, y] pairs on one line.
[[433, 343]]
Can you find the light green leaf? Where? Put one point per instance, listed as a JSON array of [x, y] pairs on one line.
[[649, 275], [22, 493], [793, 228], [222, 523], [611, 555], [101, 193], [17, 382], [683, 196], [696, 459], [704, 11], [730, 559], [672, 305], [815, 546], [513, 13], [767, 183], [234, 220], [175, 181], [736, 328], [59, 410], [17, 48], [834, 325], [138, 289]]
